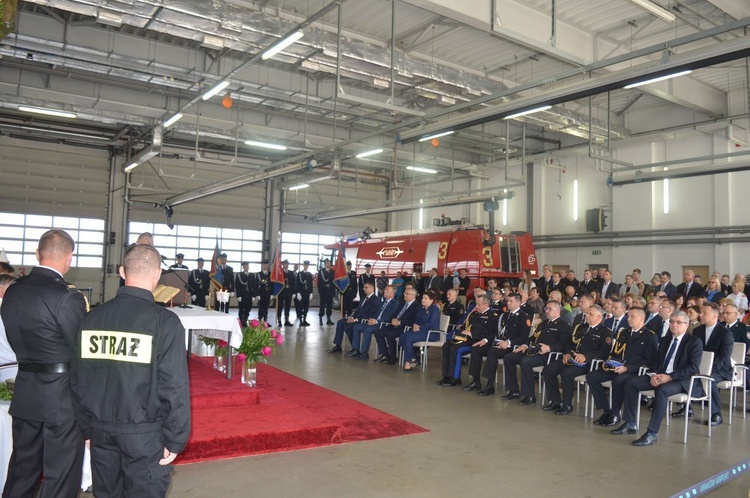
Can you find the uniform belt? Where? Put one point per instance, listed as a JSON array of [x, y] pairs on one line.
[[54, 368]]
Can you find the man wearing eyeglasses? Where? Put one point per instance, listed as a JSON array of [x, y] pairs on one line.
[[679, 358]]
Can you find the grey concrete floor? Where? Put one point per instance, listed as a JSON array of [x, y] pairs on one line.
[[476, 446]]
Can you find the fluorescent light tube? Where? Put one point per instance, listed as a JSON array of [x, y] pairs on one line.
[[421, 170], [130, 167], [660, 78], [47, 112], [530, 111], [368, 153], [172, 120], [265, 145], [216, 89], [282, 45], [436, 135], [299, 187], [656, 10], [575, 200]]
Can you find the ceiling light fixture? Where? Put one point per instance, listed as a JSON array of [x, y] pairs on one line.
[[173, 120], [282, 45], [421, 170], [660, 78], [265, 145], [215, 89], [299, 187], [130, 167], [368, 153], [436, 135], [656, 10], [48, 112], [530, 111]]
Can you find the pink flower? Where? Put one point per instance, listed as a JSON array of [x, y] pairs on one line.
[[279, 339], [223, 344], [266, 351], [241, 357], [266, 324], [274, 333], [254, 323]]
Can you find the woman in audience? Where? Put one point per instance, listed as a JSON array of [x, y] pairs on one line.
[[693, 313], [526, 283], [679, 300], [651, 290], [739, 298], [629, 287], [713, 290], [428, 318]]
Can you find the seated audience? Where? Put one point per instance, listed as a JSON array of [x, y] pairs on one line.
[[386, 313], [368, 308], [428, 318], [386, 336]]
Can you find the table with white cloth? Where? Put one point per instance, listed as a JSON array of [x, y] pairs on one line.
[[210, 323]]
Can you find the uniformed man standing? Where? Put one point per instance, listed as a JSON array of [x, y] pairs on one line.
[[304, 292], [263, 281], [351, 291], [366, 278], [325, 291], [225, 276], [131, 385], [244, 285], [286, 294], [42, 314], [587, 343], [199, 281], [179, 264]]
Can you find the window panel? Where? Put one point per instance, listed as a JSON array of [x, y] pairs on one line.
[[35, 234], [287, 248], [188, 230], [91, 237], [63, 222], [94, 224], [12, 232], [309, 238], [252, 246], [38, 221], [11, 245], [231, 245], [138, 228], [162, 229], [209, 232], [231, 233], [30, 259], [290, 237], [90, 249], [89, 262], [309, 248], [252, 235], [327, 239], [12, 219], [164, 240], [191, 242]]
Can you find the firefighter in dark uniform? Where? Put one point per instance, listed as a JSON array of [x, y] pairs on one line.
[[244, 287], [453, 307], [263, 282], [634, 347], [351, 291], [225, 276], [587, 343], [131, 385], [325, 291], [482, 326], [513, 331], [199, 281], [366, 278], [286, 294], [296, 299], [551, 335], [42, 313], [304, 291], [179, 265]]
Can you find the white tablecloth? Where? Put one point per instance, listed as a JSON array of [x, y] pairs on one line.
[[210, 323]]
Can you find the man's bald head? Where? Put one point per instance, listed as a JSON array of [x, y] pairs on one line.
[[145, 238], [55, 250], [141, 259]]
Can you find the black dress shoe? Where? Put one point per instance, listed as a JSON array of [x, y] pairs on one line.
[[288, 324], [335, 349], [320, 320], [602, 418], [304, 323], [646, 440], [381, 359], [452, 382], [612, 420], [351, 352], [329, 322], [681, 413], [392, 361], [553, 406], [487, 391], [473, 386], [564, 410], [527, 400], [362, 356], [715, 420], [510, 395], [625, 429], [444, 380]]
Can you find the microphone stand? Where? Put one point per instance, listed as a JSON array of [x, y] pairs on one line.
[[184, 305]]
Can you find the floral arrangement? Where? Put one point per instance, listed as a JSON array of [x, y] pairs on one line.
[[6, 393], [259, 342], [220, 346]]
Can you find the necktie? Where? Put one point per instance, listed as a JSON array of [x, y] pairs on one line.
[[687, 288], [403, 310], [664, 328], [709, 330], [614, 326], [383, 308], [670, 354]]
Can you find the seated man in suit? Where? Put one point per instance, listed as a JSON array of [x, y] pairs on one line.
[[405, 317], [386, 313], [678, 359], [368, 308], [739, 330], [619, 318], [719, 340], [512, 332], [481, 325], [587, 343], [652, 313], [453, 307], [660, 325], [635, 346]]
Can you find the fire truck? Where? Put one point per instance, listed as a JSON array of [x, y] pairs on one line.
[[482, 254]]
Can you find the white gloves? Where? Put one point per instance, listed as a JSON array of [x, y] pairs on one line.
[[239, 299], [299, 297], [311, 295], [256, 298], [193, 297]]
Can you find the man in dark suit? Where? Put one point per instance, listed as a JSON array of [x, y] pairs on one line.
[[588, 284], [199, 281], [689, 287], [660, 325], [287, 293], [304, 291], [719, 340], [667, 287], [42, 314], [652, 312], [368, 308], [619, 318], [364, 278], [543, 281], [607, 288], [179, 265], [738, 329], [362, 332], [244, 285], [405, 317], [556, 284], [679, 358], [225, 276], [433, 281]]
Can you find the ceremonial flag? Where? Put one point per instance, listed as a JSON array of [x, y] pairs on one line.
[[277, 272], [215, 274], [340, 276]]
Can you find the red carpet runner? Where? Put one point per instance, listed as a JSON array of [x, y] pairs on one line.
[[284, 413]]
